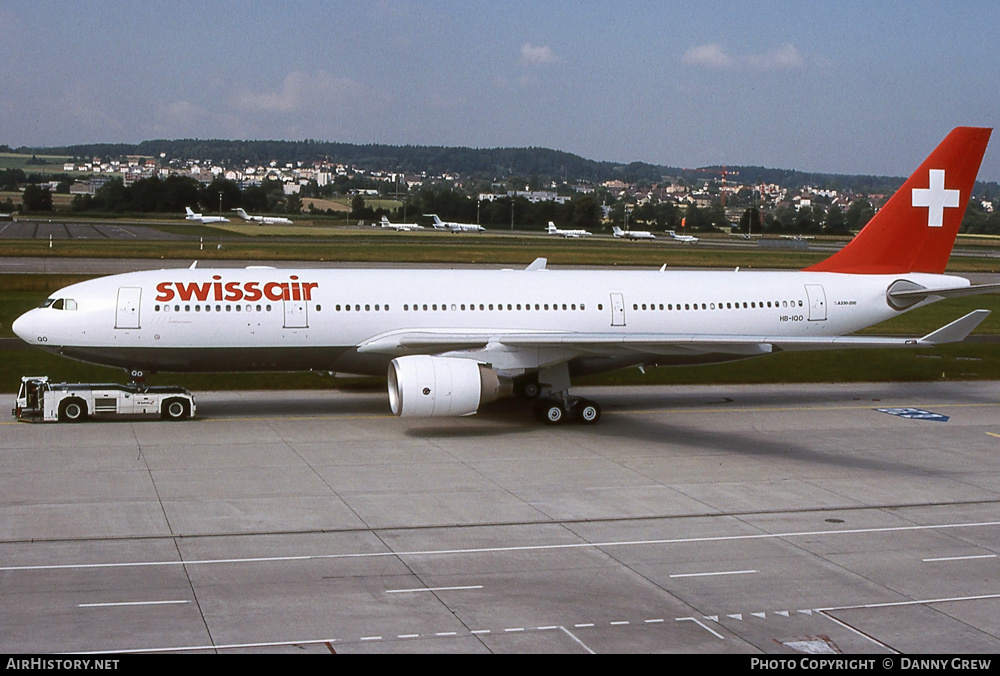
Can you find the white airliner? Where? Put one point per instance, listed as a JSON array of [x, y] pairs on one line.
[[632, 234], [263, 220], [452, 226], [399, 226], [452, 340], [687, 239], [192, 216], [553, 230]]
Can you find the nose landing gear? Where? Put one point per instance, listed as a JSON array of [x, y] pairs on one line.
[[137, 377]]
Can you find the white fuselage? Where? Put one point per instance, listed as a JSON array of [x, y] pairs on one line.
[[315, 319]]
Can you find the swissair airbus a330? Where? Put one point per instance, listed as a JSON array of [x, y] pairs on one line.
[[451, 340]]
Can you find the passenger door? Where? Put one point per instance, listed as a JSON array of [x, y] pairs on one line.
[[127, 309]]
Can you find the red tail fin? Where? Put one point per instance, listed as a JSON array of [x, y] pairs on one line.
[[916, 229]]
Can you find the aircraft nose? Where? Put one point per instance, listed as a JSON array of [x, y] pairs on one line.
[[22, 326]]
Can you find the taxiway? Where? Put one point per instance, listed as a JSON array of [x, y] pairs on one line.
[[791, 519]]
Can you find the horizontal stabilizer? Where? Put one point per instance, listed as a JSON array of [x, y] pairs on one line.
[[915, 294], [958, 330]]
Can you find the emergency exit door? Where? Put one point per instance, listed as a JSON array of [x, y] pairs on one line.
[[296, 314], [617, 310], [127, 309], [817, 302]]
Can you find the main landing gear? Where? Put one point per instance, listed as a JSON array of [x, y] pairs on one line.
[[556, 405], [559, 409]]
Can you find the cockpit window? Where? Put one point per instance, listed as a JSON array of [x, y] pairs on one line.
[[60, 303]]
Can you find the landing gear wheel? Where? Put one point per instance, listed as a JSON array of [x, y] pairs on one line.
[[550, 411], [589, 412]]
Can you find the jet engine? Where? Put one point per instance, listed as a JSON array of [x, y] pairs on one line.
[[422, 386]]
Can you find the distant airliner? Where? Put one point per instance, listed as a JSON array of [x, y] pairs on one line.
[[452, 340], [399, 226], [452, 226], [631, 234], [553, 230], [687, 239], [263, 220], [192, 216]]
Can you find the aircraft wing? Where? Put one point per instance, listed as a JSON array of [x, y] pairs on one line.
[[524, 349]]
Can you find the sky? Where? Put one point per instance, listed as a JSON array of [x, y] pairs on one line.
[[835, 86]]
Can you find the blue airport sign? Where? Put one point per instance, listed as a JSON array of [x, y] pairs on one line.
[[914, 414]]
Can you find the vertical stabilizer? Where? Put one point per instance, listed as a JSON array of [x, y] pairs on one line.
[[916, 229]]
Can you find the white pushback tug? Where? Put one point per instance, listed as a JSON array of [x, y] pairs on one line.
[[38, 400]]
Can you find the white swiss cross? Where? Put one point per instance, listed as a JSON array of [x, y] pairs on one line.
[[936, 198]]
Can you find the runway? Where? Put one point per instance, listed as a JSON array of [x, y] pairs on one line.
[[779, 520]]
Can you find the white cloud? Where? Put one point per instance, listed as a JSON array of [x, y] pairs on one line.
[[714, 57], [786, 57], [536, 56], [183, 114], [709, 56], [300, 91]]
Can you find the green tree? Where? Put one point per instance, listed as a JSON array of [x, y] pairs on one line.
[[36, 198], [750, 221], [586, 213], [858, 214], [836, 222]]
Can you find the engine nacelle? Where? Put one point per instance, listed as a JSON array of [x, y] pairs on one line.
[[421, 386]]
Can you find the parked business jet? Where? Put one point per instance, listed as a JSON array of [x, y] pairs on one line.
[[399, 226], [452, 340], [263, 220], [631, 234], [687, 239], [192, 216], [553, 230], [455, 227]]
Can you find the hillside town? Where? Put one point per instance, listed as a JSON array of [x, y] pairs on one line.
[[704, 199]]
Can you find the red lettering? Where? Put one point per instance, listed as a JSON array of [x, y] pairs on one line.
[[165, 293], [280, 294], [251, 293], [199, 291], [233, 291]]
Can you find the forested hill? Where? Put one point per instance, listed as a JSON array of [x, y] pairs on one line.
[[434, 160], [476, 163]]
